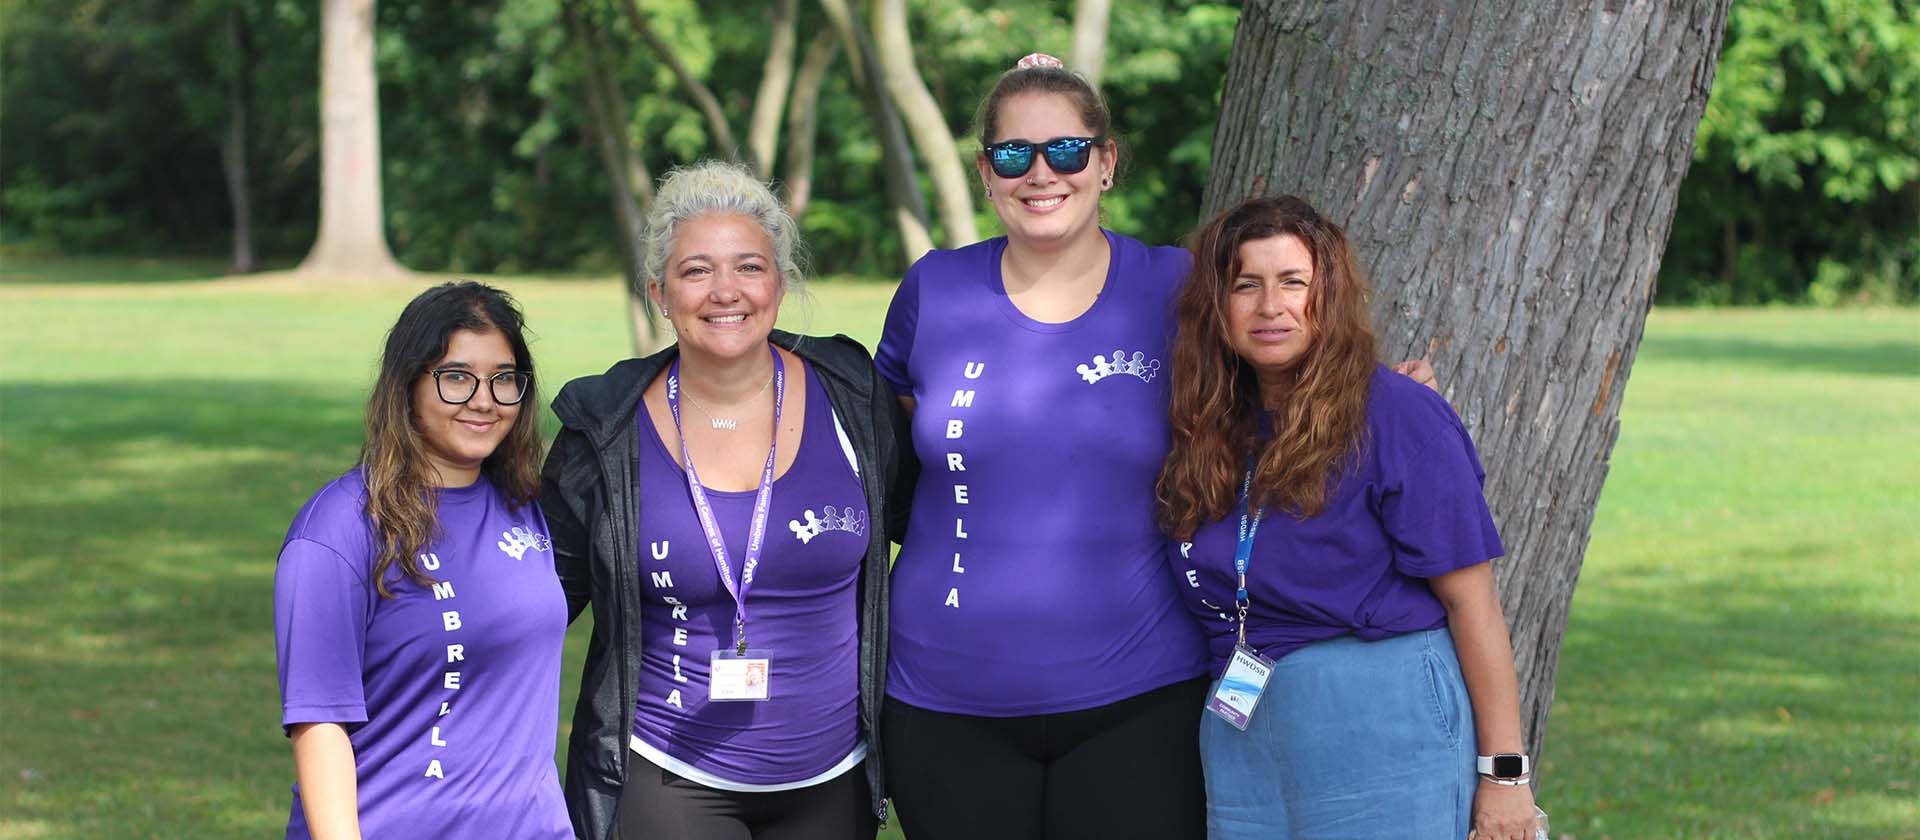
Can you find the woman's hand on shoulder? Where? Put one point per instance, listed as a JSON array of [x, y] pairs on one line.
[[1419, 370], [1502, 812]]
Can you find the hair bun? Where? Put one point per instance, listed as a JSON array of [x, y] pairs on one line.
[[1032, 60]]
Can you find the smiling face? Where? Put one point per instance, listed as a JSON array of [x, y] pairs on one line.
[[1044, 207], [1267, 298], [459, 438], [721, 289]]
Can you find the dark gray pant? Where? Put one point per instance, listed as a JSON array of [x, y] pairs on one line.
[[658, 805]]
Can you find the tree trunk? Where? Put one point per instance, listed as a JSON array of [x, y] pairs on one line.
[[929, 127], [901, 177], [1508, 174], [703, 99], [1090, 38], [629, 186], [352, 238], [803, 119], [233, 148], [763, 134]]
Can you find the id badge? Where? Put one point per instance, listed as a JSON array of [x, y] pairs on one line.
[[1240, 687], [739, 676]]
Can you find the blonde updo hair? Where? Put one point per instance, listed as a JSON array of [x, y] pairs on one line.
[[712, 186]]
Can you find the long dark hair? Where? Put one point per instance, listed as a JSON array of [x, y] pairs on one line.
[[1216, 405], [400, 482]]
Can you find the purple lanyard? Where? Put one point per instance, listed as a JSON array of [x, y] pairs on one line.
[[762, 502]]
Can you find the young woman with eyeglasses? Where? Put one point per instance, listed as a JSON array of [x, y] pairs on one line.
[[418, 620]]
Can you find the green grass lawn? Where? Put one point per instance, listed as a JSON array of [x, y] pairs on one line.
[[1743, 658]]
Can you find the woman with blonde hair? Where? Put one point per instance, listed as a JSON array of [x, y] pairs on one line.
[[1332, 538], [723, 505]]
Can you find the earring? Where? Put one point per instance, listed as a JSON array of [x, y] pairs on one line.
[[989, 192], [1106, 183]]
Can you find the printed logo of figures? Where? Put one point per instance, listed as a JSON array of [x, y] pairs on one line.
[[1137, 366], [852, 521], [516, 542]]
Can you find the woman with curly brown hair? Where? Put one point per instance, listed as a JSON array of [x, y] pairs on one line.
[[1332, 537]]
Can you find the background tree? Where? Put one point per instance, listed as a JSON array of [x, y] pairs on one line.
[[352, 237], [931, 134], [1508, 177]]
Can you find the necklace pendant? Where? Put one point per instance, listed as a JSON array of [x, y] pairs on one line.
[[725, 424]]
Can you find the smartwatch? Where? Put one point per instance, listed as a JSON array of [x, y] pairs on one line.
[[1505, 766]]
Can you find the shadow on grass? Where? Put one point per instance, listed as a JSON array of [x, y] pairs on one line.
[[1734, 707], [1876, 358], [142, 521]]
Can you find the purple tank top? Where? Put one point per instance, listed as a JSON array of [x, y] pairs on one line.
[[803, 609]]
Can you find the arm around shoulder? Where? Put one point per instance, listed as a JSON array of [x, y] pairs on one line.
[[572, 543]]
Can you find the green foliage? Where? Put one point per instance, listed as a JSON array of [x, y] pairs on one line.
[[1806, 176]]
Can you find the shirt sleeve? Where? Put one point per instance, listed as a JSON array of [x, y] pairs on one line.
[[896, 337], [1437, 517], [319, 632]]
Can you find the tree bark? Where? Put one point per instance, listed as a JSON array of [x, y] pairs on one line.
[[1090, 38], [703, 98], [929, 127], [763, 133], [803, 120], [352, 238], [1508, 174], [629, 186], [900, 175], [233, 148]]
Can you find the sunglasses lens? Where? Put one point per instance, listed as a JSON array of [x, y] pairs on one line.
[[1011, 160], [1069, 155]]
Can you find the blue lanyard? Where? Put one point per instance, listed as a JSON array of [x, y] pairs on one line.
[[1243, 553], [762, 502]]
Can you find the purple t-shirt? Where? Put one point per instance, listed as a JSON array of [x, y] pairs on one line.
[[450, 694], [1033, 579], [1411, 510], [802, 609]]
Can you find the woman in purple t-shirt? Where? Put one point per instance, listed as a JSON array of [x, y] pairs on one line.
[[1332, 538], [417, 618]]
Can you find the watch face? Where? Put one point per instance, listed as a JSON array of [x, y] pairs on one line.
[[1508, 766]]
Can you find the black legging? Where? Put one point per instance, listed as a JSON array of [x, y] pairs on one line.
[[656, 804], [1123, 770]]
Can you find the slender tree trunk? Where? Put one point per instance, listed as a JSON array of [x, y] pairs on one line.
[[1090, 38], [929, 127], [803, 119], [352, 238], [629, 186], [763, 134], [901, 177], [1508, 173], [233, 148], [697, 91]]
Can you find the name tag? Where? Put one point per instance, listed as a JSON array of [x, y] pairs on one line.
[[739, 676], [1240, 687]]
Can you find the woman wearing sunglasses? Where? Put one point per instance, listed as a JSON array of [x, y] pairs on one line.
[[1043, 676], [417, 618]]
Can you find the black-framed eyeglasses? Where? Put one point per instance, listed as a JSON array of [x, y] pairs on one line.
[[1065, 155], [457, 385]]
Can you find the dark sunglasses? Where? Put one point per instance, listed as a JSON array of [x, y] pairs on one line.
[[1065, 155]]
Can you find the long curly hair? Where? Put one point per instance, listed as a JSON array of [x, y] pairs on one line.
[[1319, 423], [400, 482]]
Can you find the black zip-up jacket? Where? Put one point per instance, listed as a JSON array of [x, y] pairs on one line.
[[587, 490]]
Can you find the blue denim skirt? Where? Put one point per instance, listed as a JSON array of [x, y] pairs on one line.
[[1352, 740]]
